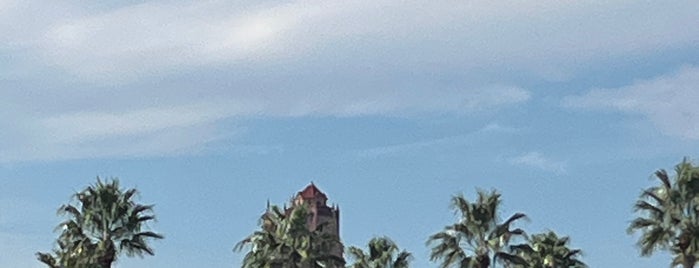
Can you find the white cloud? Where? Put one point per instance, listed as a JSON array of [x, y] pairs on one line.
[[498, 128], [451, 141], [172, 129], [465, 100], [169, 142], [546, 37], [81, 126], [669, 101], [496, 96], [133, 133], [5, 5], [138, 79], [538, 161], [146, 39], [396, 149]]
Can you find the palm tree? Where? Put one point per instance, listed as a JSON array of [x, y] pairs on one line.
[[103, 223], [547, 250], [285, 241], [266, 244], [74, 249], [383, 253], [669, 215], [476, 238]]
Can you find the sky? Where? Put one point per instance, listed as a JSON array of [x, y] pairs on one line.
[[211, 108]]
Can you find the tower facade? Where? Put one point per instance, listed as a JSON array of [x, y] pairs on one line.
[[320, 215]]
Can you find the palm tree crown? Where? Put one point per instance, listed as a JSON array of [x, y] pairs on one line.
[[383, 253], [547, 250], [285, 241], [669, 215], [103, 223], [477, 238]]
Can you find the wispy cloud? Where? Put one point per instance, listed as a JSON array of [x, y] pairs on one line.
[[394, 149], [539, 161], [154, 131], [139, 130], [450, 141], [89, 126], [140, 40], [159, 78], [669, 101], [498, 128]]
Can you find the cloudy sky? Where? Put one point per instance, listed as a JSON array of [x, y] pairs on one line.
[[211, 108]]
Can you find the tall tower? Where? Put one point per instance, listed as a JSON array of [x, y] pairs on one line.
[[320, 214]]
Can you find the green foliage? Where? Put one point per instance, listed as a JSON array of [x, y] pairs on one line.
[[383, 253], [285, 241], [547, 250], [102, 222], [74, 249], [669, 215], [476, 237]]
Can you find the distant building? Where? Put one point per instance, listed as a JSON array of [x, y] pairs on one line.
[[320, 214]]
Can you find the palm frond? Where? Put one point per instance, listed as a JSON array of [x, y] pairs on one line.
[[509, 258]]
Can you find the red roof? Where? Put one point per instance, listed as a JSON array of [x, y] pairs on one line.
[[312, 191]]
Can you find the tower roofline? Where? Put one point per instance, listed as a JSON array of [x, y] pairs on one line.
[[311, 191]]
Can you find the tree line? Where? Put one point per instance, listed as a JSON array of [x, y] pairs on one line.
[[103, 222]]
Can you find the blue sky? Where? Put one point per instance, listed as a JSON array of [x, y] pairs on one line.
[[211, 108]]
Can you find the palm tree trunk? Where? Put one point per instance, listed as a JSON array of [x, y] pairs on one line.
[[107, 258], [689, 261], [483, 261]]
